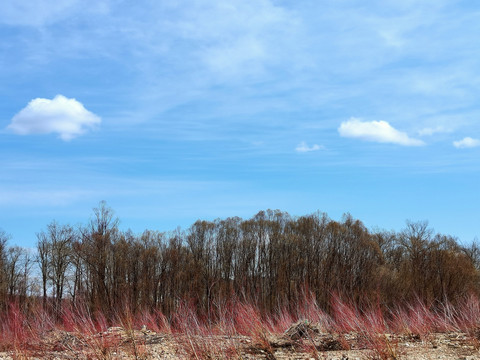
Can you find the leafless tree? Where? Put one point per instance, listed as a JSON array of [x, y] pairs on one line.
[[54, 251]]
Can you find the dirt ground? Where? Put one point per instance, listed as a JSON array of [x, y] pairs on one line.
[[118, 343]]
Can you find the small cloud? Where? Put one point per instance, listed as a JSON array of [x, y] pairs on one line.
[[466, 142], [303, 147], [433, 130], [378, 131], [66, 117]]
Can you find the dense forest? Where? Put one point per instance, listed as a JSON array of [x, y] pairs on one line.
[[272, 260]]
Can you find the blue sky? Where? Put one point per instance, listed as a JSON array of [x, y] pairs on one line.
[[173, 111]]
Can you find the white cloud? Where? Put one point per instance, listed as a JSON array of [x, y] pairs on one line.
[[66, 117], [433, 130], [378, 131], [238, 38], [466, 142], [303, 147]]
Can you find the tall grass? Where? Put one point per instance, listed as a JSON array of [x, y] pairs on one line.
[[197, 336]]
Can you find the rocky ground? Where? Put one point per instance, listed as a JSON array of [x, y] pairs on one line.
[[301, 341]]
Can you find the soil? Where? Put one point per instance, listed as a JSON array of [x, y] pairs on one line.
[[298, 342]]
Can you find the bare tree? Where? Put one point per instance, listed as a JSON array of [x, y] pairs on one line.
[[54, 256], [43, 260], [96, 245], [18, 265], [271, 259], [4, 237]]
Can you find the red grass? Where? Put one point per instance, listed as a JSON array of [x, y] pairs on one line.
[[197, 335], [155, 321], [14, 329]]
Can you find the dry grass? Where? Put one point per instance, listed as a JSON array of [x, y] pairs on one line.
[[93, 336]]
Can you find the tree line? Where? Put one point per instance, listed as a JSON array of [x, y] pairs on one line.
[[272, 260]]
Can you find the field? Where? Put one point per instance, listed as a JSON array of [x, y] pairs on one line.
[[273, 287], [239, 331]]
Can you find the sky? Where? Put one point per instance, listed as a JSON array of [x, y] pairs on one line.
[[173, 111]]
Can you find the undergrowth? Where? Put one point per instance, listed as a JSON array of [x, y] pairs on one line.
[[92, 335]]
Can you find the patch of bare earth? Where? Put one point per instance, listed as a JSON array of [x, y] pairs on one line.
[[300, 341]]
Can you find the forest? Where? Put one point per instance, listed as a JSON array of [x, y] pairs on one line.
[[272, 260]]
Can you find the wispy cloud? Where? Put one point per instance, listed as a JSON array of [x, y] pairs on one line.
[[428, 131], [34, 13], [45, 197], [66, 117], [41, 13], [303, 147], [377, 131], [238, 37], [466, 142]]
